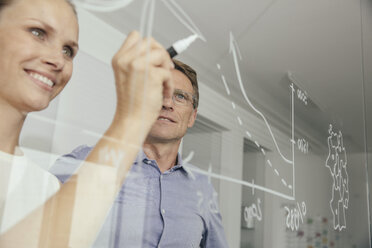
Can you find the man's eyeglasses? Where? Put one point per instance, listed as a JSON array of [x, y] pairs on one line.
[[182, 98]]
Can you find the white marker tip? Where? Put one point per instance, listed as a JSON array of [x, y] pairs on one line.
[[190, 39], [193, 37], [183, 44]]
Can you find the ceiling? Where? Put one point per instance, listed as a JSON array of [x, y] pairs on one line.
[[320, 43]]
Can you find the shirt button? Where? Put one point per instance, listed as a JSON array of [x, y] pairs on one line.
[[161, 176], [163, 211]]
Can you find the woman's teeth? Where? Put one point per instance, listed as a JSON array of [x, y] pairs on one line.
[[42, 79]]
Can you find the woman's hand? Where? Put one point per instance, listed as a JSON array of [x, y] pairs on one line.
[[142, 70]]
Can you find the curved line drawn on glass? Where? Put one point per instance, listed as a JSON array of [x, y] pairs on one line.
[[295, 215], [241, 182], [225, 84], [336, 162], [183, 17], [234, 50], [66, 125], [148, 11], [188, 158], [247, 132], [103, 5]]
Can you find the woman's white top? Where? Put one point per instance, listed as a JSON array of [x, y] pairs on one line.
[[24, 186]]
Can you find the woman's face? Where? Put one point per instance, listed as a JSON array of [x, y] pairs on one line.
[[38, 41]]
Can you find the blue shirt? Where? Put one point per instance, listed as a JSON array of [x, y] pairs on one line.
[[177, 208]]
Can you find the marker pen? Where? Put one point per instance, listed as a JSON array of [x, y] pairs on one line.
[[181, 45]]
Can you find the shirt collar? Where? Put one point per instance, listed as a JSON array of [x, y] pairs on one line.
[[141, 157]]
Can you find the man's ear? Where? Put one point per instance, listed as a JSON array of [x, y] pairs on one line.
[[192, 118]]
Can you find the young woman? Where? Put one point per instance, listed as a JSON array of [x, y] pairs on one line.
[[38, 42]]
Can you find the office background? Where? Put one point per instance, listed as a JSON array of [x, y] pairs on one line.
[[285, 119]]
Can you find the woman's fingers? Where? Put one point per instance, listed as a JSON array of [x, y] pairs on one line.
[[142, 70], [143, 48], [132, 39]]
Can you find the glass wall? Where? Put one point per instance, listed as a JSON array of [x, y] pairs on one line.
[[367, 62], [283, 132]]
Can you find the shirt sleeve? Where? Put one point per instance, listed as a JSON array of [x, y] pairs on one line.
[[66, 165]]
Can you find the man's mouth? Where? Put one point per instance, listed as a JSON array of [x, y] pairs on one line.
[[163, 118]]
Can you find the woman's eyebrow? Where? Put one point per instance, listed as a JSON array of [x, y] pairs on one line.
[[73, 44], [50, 28]]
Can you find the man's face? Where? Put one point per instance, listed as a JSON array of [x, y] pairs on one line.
[[174, 119]]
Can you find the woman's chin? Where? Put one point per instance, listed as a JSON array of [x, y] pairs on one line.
[[35, 106]]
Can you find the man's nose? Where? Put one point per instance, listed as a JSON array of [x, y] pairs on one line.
[[168, 103]]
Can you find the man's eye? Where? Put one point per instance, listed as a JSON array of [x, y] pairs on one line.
[[180, 96], [68, 51], [38, 32]]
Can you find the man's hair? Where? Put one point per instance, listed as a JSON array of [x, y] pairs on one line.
[[191, 75], [3, 3]]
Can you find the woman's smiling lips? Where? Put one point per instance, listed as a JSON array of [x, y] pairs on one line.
[[44, 80]]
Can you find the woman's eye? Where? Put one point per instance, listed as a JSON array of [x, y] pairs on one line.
[[68, 51], [38, 32]]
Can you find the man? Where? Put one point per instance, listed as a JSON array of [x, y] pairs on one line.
[[162, 202]]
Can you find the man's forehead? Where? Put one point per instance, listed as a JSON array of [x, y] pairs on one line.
[[181, 81]]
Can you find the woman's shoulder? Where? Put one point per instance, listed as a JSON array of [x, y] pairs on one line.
[[28, 186]]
